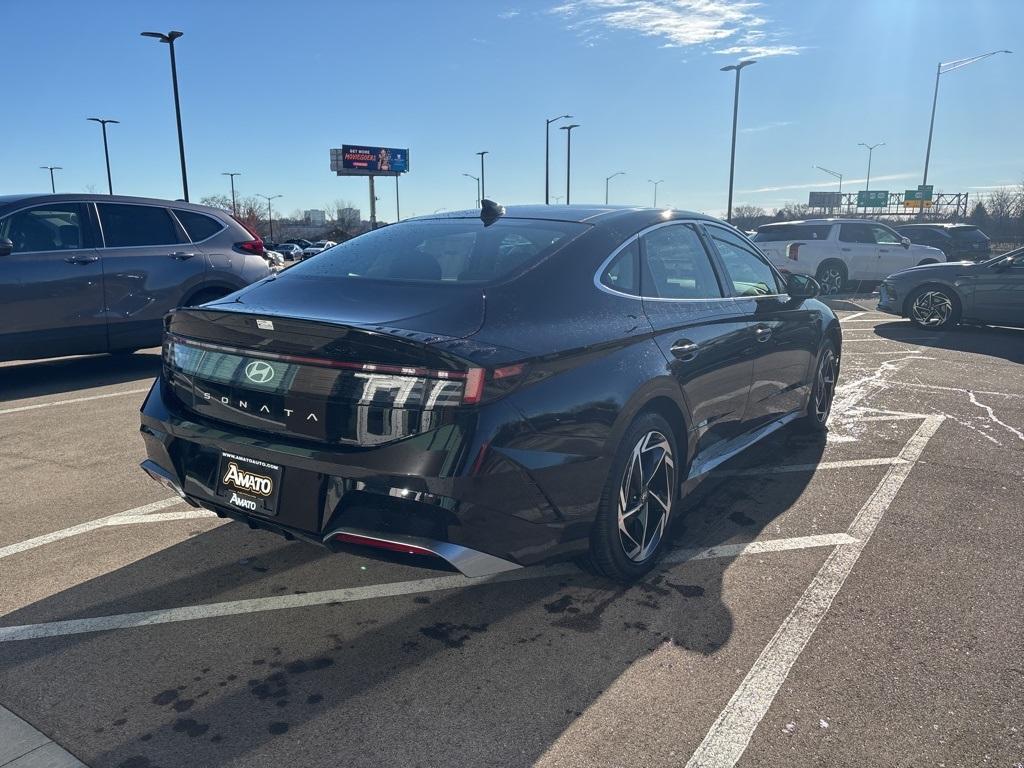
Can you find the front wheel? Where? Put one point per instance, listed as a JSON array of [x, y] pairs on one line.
[[637, 502], [933, 308]]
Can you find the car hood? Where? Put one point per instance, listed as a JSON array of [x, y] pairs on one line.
[[947, 269]]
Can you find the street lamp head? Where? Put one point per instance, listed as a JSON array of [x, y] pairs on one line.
[[738, 67], [569, 127], [170, 37]]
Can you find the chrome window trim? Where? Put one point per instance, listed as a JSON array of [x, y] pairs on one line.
[[174, 213], [635, 237]]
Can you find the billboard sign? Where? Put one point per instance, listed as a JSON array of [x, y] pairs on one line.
[[361, 160], [872, 198], [825, 199]]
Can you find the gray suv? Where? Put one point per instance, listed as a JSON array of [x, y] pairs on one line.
[[84, 274]]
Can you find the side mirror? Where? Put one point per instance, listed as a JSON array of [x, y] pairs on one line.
[[802, 286], [6, 246], [905, 242]]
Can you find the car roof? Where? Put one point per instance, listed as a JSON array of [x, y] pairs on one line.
[[7, 201], [936, 225], [820, 221], [583, 214]]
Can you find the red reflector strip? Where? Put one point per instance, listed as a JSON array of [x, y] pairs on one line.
[[474, 386], [321, 361], [391, 546], [508, 371]]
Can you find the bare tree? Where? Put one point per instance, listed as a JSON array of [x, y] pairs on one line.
[[749, 216]]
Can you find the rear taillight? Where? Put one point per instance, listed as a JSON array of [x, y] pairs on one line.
[[252, 246], [793, 251], [484, 384]]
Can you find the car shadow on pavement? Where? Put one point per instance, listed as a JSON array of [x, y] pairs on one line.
[[39, 378], [1007, 343], [486, 675]]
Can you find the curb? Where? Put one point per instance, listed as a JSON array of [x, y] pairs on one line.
[[22, 746]]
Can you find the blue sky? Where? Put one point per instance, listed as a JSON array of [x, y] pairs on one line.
[[268, 88]]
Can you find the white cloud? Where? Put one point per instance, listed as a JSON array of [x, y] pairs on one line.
[[767, 126], [511, 13], [828, 183], [680, 23]]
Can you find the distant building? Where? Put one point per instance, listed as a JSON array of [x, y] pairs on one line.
[[349, 218], [315, 217]]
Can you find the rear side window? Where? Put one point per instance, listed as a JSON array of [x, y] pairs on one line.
[[126, 226], [198, 226], [676, 266], [443, 251], [969, 235], [52, 227], [884, 235], [621, 275], [856, 233], [777, 233], [748, 273]]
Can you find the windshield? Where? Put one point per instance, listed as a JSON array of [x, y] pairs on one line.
[[969, 234], [444, 251]]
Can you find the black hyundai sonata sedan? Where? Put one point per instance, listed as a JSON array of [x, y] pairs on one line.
[[495, 388]]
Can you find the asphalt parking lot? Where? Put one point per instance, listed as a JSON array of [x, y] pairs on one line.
[[848, 602]]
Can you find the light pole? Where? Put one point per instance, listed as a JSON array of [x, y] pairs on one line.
[[232, 174], [106, 152], [547, 155], [942, 69], [483, 186], [870, 148], [607, 179], [568, 156], [51, 169], [169, 38], [838, 176], [655, 183], [477, 180], [270, 213], [735, 110]]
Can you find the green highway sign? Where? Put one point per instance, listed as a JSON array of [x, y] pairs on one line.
[[873, 198], [923, 192]]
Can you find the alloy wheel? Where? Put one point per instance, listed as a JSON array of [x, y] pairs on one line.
[[831, 281], [825, 386], [646, 496], [932, 308]]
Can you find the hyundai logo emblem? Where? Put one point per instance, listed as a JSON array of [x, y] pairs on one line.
[[259, 372]]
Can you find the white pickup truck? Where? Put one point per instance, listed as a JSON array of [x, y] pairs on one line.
[[837, 252]]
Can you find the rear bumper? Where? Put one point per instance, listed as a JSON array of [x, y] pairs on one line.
[[456, 495]]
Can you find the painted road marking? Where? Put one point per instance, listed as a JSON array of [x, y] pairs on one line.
[[52, 403], [844, 464], [49, 538], [731, 732], [915, 385], [353, 594], [848, 318]]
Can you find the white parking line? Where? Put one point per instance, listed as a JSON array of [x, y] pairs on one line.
[[352, 594], [52, 403], [48, 538], [844, 464], [731, 732], [848, 318]]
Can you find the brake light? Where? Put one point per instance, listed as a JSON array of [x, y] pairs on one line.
[[793, 251], [252, 246]]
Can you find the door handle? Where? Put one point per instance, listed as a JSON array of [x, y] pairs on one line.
[[763, 332], [844, 249], [685, 350], [883, 250], [182, 255], [81, 259]]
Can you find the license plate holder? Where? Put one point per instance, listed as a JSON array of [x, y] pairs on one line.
[[249, 485]]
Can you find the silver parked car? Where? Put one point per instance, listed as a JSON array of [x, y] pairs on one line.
[[83, 274]]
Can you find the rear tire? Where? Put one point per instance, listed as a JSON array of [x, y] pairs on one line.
[[637, 502], [832, 277], [933, 308], [823, 391]]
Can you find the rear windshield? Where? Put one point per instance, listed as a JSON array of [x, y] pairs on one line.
[[774, 234], [969, 234], [443, 251]]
